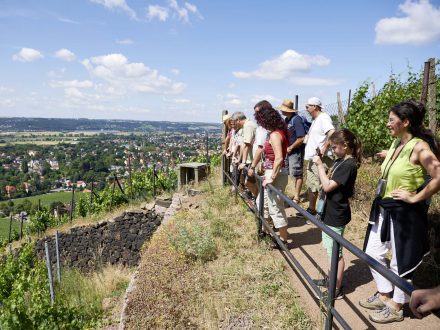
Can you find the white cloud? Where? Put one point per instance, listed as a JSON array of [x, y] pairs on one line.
[[4, 89], [73, 93], [71, 84], [117, 5], [312, 81], [174, 10], [116, 70], [419, 25], [67, 20], [272, 99], [65, 54], [283, 66], [156, 11], [175, 72], [125, 42], [27, 55], [182, 101]]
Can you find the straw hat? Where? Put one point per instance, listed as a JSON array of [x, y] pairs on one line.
[[287, 106], [226, 117]]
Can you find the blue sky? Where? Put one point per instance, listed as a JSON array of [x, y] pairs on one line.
[[186, 61]]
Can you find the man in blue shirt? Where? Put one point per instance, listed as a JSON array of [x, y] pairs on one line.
[[295, 150]]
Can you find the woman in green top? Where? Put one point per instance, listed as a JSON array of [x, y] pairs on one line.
[[398, 219]]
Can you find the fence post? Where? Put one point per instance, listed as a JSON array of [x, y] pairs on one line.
[[72, 203], [340, 110], [330, 303], [430, 103], [207, 147], [224, 162], [260, 207], [424, 95], [296, 102], [10, 229], [91, 198], [39, 204], [154, 181], [49, 272], [21, 225], [129, 176], [58, 257], [113, 192]]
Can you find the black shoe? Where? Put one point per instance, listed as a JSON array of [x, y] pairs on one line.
[[322, 282], [338, 295], [312, 212]]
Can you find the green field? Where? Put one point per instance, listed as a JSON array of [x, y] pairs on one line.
[[47, 199], [4, 227]]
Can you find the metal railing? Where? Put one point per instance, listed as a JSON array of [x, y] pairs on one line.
[[339, 241]]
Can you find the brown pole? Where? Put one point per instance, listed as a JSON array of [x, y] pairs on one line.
[[424, 96]]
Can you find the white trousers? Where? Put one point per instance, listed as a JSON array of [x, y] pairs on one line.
[[273, 204], [378, 250]]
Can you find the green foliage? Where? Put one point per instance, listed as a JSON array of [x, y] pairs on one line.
[[368, 115], [195, 243], [25, 298], [41, 220]]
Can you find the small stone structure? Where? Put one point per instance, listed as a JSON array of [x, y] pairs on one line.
[[116, 242], [192, 172]]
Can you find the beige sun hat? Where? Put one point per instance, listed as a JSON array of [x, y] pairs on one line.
[[287, 106], [226, 117]]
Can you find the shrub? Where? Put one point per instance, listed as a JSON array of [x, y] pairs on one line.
[[195, 243]]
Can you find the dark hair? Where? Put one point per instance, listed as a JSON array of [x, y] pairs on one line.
[[347, 137], [271, 120], [262, 105], [415, 112]]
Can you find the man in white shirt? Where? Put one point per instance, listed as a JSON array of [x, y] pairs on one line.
[[317, 143]]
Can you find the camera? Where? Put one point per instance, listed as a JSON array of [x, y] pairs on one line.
[[380, 189]]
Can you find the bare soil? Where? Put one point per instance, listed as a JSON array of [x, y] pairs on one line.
[[358, 283]]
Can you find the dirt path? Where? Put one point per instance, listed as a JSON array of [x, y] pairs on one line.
[[358, 283]]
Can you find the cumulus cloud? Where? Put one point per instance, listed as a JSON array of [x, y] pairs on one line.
[[27, 55], [125, 42], [71, 84], [272, 99], [283, 66], [65, 55], [156, 11], [116, 70], [419, 24], [175, 71], [117, 5], [313, 81], [173, 9]]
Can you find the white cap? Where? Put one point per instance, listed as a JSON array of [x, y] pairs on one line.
[[314, 101]]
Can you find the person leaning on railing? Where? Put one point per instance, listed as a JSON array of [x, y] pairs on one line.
[[398, 218], [275, 151]]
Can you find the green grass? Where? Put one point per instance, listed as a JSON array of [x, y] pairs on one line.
[[47, 199], [4, 227]]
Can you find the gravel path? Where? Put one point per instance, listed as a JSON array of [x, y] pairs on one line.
[[358, 283]]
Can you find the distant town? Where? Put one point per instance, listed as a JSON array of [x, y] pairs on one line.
[[39, 155]]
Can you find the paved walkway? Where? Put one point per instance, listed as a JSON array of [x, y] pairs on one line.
[[358, 283]]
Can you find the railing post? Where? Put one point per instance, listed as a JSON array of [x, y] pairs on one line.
[[224, 162], [236, 182], [332, 285], [260, 207]]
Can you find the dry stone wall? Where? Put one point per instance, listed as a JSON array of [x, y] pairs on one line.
[[116, 242]]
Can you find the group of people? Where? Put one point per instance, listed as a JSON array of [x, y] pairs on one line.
[[281, 143]]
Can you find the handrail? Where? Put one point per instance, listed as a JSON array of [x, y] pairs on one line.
[[338, 239]]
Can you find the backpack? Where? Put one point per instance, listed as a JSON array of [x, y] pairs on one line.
[[306, 123]]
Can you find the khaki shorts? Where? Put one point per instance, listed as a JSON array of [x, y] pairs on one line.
[[312, 179], [327, 241]]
